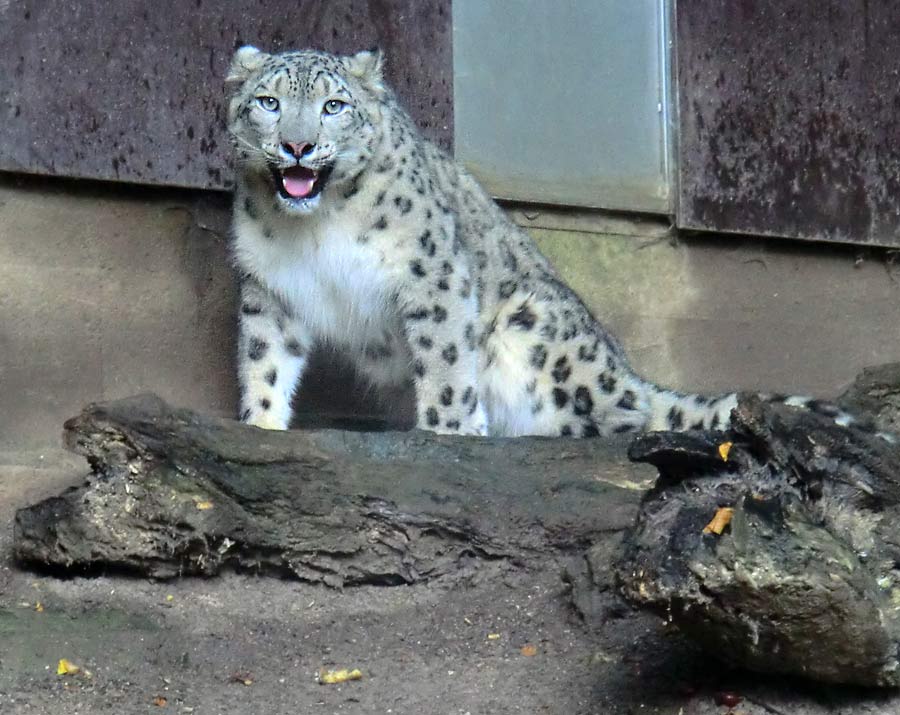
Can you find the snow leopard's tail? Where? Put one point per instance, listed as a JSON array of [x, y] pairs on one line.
[[674, 411]]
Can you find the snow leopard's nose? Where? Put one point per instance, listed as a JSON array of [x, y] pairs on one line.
[[298, 150]]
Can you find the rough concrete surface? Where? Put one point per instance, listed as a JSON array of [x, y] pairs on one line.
[[106, 291], [723, 312]]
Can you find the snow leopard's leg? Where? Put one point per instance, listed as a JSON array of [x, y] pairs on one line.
[[554, 372], [440, 321], [272, 352]]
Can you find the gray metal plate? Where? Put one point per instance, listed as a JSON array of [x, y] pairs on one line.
[[564, 103], [789, 116], [132, 90]]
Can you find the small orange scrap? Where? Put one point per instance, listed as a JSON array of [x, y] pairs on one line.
[[332, 677], [67, 667], [159, 701], [719, 521], [529, 650], [724, 449]]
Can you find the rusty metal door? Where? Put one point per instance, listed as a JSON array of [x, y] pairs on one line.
[[132, 90], [789, 118]]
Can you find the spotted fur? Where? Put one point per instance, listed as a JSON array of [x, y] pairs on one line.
[[404, 262]]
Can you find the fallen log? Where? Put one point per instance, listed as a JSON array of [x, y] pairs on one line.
[[798, 575], [176, 493], [776, 545]]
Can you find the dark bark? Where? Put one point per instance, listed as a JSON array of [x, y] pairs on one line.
[[343, 508], [805, 578], [876, 394]]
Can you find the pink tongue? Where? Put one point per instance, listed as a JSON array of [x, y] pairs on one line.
[[298, 182]]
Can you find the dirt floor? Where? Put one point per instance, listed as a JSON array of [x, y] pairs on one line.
[[246, 644]]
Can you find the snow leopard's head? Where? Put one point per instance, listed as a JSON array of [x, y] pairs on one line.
[[305, 121]]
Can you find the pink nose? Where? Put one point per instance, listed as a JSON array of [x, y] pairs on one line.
[[298, 149]]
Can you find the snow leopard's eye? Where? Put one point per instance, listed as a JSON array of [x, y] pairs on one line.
[[334, 106], [270, 104]]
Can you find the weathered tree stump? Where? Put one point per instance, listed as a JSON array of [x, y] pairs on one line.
[[876, 394], [175, 493], [805, 578]]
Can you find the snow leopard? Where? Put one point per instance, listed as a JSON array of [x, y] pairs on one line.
[[353, 230]]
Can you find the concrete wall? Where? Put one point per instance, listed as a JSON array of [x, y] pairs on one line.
[[725, 312], [107, 291]]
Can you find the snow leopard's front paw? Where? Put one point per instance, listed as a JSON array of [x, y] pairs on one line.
[[477, 424], [265, 420], [465, 430]]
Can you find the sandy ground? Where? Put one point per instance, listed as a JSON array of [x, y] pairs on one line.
[[246, 644]]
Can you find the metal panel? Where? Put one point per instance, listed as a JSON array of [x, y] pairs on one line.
[[133, 89], [790, 118], [564, 102]]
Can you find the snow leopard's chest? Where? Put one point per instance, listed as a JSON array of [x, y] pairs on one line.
[[330, 282]]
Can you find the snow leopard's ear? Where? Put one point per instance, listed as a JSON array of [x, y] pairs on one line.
[[368, 66], [245, 62]]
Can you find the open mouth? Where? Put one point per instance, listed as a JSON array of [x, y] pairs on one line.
[[299, 182]]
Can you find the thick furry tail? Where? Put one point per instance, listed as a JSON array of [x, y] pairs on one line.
[[671, 410], [674, 411]]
